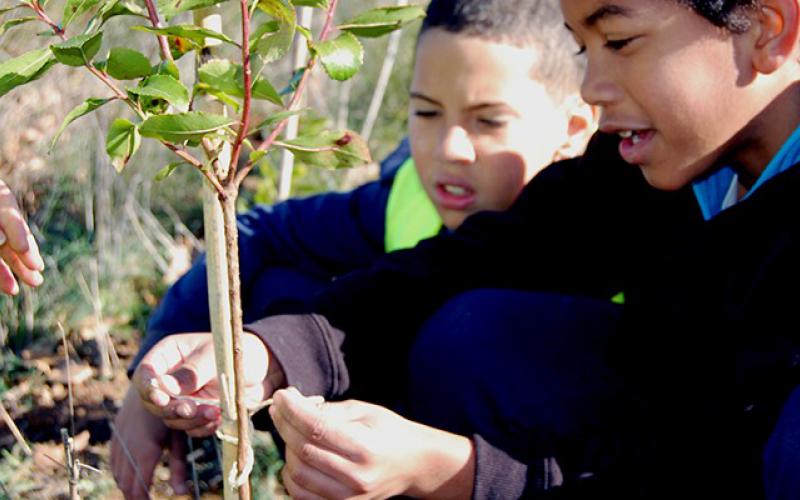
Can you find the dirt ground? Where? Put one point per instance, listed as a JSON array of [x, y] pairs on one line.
[[38, 403]]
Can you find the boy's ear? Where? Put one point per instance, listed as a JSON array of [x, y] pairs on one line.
[[582, 123], [777, 35]]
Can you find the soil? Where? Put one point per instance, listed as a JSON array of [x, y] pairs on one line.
[[38, 403]]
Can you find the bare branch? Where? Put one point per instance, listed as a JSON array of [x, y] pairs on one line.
[[152, 12], [248, 96], [15, 430], [191, 160]]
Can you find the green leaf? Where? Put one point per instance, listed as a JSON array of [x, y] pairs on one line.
[[127, 64], [256, 156], [274, 119], [167, 171], [294, 81], [122, 8], [122, 141], [264, 90], [167, 68], [15, 22], [341, 57], [189, 32], [339, 149], [280, 10], [163, 87], [263, 29], [275, 45], [322, 4], [74, 8], [184, 126], [383, 20], [24, 69], [114, 8], [78, 50], [87, 107], [223, 76], [9, 9], [170, 8]]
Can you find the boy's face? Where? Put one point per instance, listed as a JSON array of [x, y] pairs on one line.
[[480, 127], [684, 87]]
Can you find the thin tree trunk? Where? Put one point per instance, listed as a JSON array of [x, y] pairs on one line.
[[219, 292], [299, 57]]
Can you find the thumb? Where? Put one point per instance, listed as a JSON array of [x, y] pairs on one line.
[[194, 372]]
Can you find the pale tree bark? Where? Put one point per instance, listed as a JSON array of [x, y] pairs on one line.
[[299, 57], [219, 286]]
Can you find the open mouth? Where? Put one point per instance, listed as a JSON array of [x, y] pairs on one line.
[[634, 144], [454, 196]]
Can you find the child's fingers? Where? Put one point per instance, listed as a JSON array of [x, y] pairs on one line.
[[8, 284], [296, 490], [315, 479], [12, 224], [310, 420], [316, 455], [27, 275], [32, 258]]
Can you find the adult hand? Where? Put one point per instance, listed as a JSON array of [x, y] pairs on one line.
[[354, 449], [19, 254], [136, 449], [179, 373]]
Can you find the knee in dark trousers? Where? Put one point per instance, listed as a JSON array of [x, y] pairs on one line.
[[522, 369]]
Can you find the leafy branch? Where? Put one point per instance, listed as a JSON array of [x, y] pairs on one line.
[[166, 110]]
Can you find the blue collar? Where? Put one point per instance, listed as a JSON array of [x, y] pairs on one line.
[[712, 192]]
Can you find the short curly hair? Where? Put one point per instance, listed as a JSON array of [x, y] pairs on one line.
[[732, 15]]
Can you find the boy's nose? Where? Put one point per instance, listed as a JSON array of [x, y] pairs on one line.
[[597, 88], [456, 146]]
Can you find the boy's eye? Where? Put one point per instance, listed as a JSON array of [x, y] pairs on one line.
[[426, 113], [581, 50], [492, 123], [619, 44]]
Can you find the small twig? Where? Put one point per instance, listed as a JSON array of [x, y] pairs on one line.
[[90, 468], [191, 160], [152, 12], [69, 378], [73, 471], [294, 103], [15, 430]]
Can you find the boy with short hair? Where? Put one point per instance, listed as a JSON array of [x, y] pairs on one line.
[[694, 92], [488, 75]]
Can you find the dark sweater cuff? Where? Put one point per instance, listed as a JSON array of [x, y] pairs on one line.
[[497, 474], [309, 351]]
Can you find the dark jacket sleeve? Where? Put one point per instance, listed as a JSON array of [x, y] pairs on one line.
[[315, 239]]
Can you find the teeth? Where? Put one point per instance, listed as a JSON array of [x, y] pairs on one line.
[[455, 190], [625, 134], [636, 139]]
